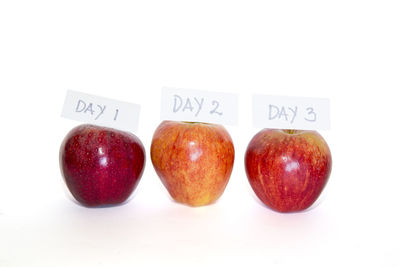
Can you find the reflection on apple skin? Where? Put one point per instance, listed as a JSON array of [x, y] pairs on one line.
[[195, 151]]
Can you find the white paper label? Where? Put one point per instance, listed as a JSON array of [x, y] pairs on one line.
[[199, 106], [101, 111], [281, 112]]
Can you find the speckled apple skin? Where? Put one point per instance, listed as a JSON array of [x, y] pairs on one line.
[[288, 171], [193, 160], [101, 166]]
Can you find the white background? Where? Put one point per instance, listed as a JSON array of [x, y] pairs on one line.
[[347, 51]]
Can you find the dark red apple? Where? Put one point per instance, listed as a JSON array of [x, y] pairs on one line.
[[101, 166], [288, 169], [193, 160]]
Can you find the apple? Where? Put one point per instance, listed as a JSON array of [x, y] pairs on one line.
[[194, 160], [101, 166], [288, 169]]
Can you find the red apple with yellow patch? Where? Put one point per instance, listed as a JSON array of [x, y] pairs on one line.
[[288, 169], [193, 160]]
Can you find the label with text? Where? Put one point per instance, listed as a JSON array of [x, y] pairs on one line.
[[199, 106], [101, 111], [283, 112]]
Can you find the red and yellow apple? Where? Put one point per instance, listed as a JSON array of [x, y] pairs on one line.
[[288, 169], [193, 160], [101, 166]]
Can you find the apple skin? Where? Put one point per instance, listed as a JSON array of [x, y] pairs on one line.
[[193, 160], [288, 169], [101, 166]]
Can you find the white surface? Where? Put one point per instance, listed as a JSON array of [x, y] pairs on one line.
[[347, 51]]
